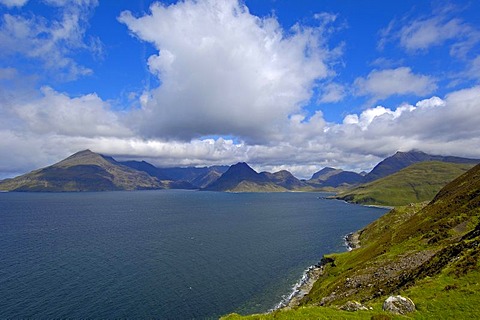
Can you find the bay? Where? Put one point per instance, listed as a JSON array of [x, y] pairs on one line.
[[168, 254]]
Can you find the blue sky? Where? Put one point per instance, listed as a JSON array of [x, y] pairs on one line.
[[294, 85]]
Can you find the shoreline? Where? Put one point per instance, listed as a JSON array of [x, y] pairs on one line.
[[312, 274], [352, 240], [303, 286]]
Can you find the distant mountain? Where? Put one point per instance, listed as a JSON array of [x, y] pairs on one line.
[[284, 179], [205, 178], [331, 177], [242, 178], [145, 167], [343, 178], [402, 160], [324, 174], [83, 171], [234, 176], [200, 177], [416, 183], [181, 177]]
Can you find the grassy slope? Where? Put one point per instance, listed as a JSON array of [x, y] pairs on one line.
[[416, 183], [430, 254]]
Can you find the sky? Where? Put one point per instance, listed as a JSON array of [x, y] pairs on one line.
[[280, 84]]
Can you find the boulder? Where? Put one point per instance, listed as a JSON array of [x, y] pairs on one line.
[[398, 305], [353, 306]]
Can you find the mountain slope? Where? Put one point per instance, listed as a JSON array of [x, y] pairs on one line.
[[430, 254], [242, 178], [195, 175], [324, 174], [402, 160], [236, 174], [82, 171], [331, 177], [416, 183], [343, 178], [285, 179], [145, 167]]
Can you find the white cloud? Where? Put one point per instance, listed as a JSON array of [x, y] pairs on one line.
[[51, 41], [418, 35], [332, 92], [430, 103], [446, 126], [13, 3], [423, 34], [85, 116], [474, 68], [226, 71], [381, 84]]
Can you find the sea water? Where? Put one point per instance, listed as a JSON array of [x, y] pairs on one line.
[[162, 254]]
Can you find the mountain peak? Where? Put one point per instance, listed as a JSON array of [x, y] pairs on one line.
[[241, 168], [83, 171], [325, 173], [82, 157]]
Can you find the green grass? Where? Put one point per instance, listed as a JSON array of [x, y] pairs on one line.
[[416, 183], [312, 312]]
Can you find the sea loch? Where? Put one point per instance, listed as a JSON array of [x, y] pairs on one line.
[[163, 254]]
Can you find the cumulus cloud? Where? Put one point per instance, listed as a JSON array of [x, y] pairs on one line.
[[85, 116], [51, 41], [381, 84], [447, 126], [226, 71]]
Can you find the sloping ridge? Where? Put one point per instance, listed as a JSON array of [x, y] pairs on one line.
[[416, 183], [331, 177], [82, 171], [402, 160]]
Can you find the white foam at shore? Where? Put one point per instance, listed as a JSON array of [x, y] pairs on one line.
[[298, 287]]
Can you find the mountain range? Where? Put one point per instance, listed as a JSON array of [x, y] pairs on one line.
[[89, 171], [242, 178]]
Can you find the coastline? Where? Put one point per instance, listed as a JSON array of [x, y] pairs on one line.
[[312, 274], [303, 286]]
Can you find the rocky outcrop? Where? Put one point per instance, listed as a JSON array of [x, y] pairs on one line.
[[398, 305], [352, 240], [353, 306]]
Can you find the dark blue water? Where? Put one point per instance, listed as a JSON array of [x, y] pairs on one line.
[[162, 254]]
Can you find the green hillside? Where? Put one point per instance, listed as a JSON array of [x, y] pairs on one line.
[[430, 254], [401, 160], [416, 183]]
